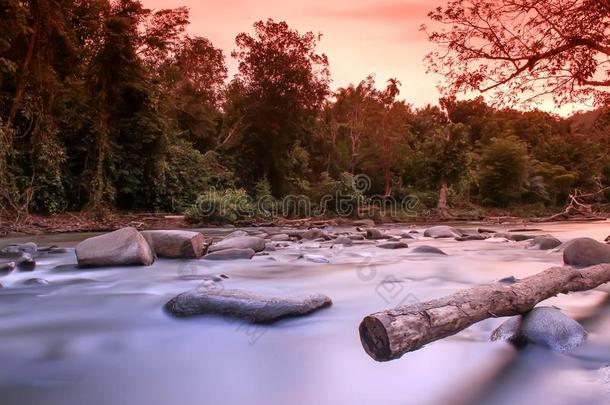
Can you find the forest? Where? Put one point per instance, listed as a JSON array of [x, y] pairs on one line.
[[107, 105]]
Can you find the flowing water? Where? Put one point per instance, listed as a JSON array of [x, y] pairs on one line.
[[100, 337]]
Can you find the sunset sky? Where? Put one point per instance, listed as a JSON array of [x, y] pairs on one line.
[[360, 37]]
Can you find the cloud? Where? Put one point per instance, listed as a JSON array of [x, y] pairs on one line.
[[385, 12]]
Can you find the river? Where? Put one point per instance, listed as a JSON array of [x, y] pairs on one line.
[[100, 337]]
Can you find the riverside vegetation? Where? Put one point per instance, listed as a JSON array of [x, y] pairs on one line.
[[106, 105]]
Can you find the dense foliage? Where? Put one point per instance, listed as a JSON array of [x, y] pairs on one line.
[[106, 104]]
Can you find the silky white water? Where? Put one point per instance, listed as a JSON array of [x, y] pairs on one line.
[[99, 337]]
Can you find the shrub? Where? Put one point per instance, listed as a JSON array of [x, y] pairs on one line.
[[221, 207]]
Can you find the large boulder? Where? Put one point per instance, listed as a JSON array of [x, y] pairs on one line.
[[586, 252], [543, 326], [544, 242], [239, 242], [442, 231], [244, 305], [124, 247], [230, 254], [176, 244]]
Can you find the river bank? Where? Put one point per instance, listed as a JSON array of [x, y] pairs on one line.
[[70, 222]]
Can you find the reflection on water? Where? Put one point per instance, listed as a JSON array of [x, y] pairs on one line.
[[100, 336]]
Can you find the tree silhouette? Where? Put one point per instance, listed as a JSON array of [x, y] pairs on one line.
[[523, 50]]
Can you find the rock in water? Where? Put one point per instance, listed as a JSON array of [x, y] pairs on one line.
[[119, 248], [176, 244], [244, 305], [280, 237], [442, 231], [545, 242], [343, 240], [236, 234], [239, 242], [375, 234], [369, 223], [314, 233], [472, 237], [7, 268], [393, 245], [585, 252], [231, 254], [513, 237], [429, 249], [35, 282], [29, 247], [26, 262], [543, 326], [315, 258]]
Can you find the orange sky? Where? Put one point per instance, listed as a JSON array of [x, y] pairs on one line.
[[361, 37]]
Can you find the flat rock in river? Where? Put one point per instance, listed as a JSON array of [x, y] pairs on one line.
[[124, 247], [429, 250], [442, 231], [244, 305], [239, 242], [231, 254], [176, 244]]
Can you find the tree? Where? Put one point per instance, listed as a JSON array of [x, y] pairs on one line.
[[503, 170], [524, 49], [284, 82]]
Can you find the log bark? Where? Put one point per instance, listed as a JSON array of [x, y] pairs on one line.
[[390, 334]]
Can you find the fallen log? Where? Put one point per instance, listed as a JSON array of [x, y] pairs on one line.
[[390, 334]]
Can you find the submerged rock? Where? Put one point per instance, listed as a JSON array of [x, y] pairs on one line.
[[508, 280], [429, 250], [367, 223], [176, 244], [544, 242], [442, 231], [35, 282], [119, 248], [20, 260], [315, 258], [356, 237], [236, 234], [314, 233], [280, 237], [231, 254], [7, 268], [466, 238], [375, 234], [343, 240], [585, 252], [393, 245], [514, 237], [239, 242], [29, 247], [543, 326], [244, 305]]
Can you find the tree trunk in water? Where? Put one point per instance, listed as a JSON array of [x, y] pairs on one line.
[[23, 74], [389, 334]]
